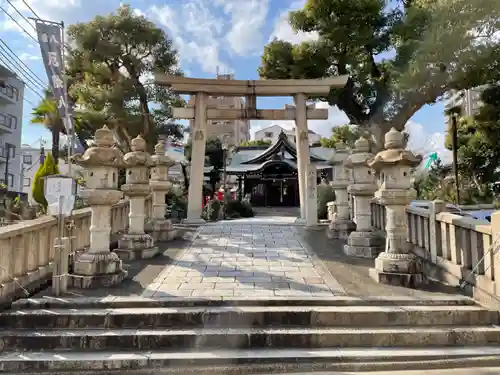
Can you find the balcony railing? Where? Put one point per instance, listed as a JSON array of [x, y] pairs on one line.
[[8, 121], [10, 91]]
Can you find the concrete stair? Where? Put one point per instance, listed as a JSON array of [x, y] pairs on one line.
[[231, 335]]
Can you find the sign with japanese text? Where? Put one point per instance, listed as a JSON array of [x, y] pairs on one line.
[[51, 46]]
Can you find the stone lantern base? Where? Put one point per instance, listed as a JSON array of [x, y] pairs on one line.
[[136, 246], [92, 271], [340, 229], [364, 245], [397, 269], [160, 230]]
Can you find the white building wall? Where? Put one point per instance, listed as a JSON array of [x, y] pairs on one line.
[[272, 133], [11, 115]]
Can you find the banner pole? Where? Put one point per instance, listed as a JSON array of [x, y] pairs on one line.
[[69, 125]]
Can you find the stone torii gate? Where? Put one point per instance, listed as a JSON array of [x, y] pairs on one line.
[[299, 89]]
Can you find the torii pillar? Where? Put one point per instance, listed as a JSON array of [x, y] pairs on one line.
[[195, 193]]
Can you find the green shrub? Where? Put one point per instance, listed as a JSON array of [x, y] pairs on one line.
[[211, 210], [325, 195], [48, 168], [236, 209]]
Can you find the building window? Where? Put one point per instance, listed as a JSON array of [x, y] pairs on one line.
[[27, 182], [28, 159], [12, 122], [12, 150], [268, 134], [10, 180]]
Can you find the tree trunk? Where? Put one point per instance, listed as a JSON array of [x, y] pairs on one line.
[[55, 143]]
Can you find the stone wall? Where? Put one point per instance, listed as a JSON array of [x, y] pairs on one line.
[[27, 248], [451, 247]]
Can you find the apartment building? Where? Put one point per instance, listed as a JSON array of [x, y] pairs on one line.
[[11, 114], [31, 158], [233, 132], [271, 134], [469, 101]]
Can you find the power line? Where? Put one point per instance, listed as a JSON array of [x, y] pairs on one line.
[[6, 63], [19, 12], [27, 70], [18, 24], [31, 9]]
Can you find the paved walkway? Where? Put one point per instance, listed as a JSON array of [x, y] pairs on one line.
[[248, 258]]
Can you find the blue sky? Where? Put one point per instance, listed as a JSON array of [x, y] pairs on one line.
[[228, 35]]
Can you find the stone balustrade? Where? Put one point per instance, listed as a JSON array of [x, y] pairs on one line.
[[27, 248], [452, 247]]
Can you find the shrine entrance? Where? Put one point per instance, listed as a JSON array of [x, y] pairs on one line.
[[299, 89]]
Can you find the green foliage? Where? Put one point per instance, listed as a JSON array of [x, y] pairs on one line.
[[236, 209], [348, 134], [176, 204], [325, 195], [256, 142], [430, 47], [108, 60], [48, 168]]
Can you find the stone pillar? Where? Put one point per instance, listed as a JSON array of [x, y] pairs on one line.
[[159, 227], [98, 267], [362, 243], [341, 225], [302, 146], [396, 265], [195, 194], [312, 196], [136, 244]]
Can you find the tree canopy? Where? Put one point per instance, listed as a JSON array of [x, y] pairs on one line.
[[399, 55], [256, 142], [347, 134], [111, 62]]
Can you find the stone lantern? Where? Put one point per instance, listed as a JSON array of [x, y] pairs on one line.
[[341, 224], [136, 244], [363, 242], [98, 266], [159, 227], [396, 265]]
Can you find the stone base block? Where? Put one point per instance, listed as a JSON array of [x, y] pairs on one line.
[[398, 279], [160, 230], [136, 246], [369, 252], [91, 264], [96, 281], [363, 245], [96, 270], [340, 229]]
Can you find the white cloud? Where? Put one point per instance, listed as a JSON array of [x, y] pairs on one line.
[[283, 30], [195, 31], [247, 19], [425, 143], [24, 56]]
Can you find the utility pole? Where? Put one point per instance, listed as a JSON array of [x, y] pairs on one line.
[[454, 146]]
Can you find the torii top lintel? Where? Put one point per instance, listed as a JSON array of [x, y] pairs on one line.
[[236, 87]]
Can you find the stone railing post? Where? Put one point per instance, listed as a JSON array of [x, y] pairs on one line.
[[136, 244], [98, 266], [396, 265], [341, 225], [495, 244], [363, 242], [435, 241], [158, 226]]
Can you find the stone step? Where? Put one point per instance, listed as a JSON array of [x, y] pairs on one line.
[[234, 361], [117, 302], [249, 316], [247, 338]]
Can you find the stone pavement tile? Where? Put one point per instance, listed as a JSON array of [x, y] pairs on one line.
[[244, 260]]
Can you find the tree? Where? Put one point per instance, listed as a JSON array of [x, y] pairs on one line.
[[111, 62], [256, 142], [46, 113], [347, 134], [399, 56], [48, 168]]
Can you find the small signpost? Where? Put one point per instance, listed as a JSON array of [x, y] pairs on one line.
[[59, 192]]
